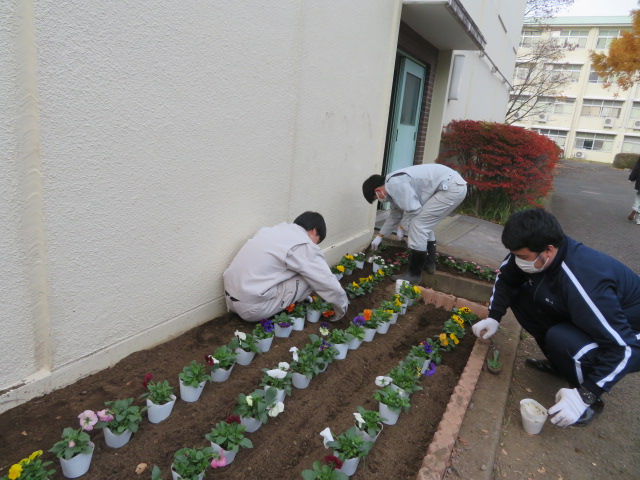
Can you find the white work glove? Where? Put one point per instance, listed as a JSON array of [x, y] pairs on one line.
[[569, 407], [488, 324], [400, 233], [376, 241]]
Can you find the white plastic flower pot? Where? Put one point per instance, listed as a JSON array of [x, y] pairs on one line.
[[394, 318], [298, 323], [349, 466], [157, 413], [282, 332], [354, 344], [368, 438], [401, 391], [243, 357], [220, 374], [251, 424], [360, 264], [376, 267], [338, 276], [403, 308], [299, 380], [369, 333], [175, 475], [78, 465], [386, 412], [313, 316], [279, 395], [383, 327], [228, 455], [264, 344], [348, 272], [114, 440], [189, 393], [342, 348]]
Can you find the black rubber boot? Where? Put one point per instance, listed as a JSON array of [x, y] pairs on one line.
[[414, 274], [430, 264]]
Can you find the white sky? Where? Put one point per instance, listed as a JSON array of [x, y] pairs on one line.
[[599, 8]]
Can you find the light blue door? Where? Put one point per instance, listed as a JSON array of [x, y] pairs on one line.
[[406, 115]]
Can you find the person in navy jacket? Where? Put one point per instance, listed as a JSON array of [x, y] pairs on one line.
[[581, 306]]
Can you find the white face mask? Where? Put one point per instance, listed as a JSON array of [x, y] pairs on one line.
[[529, 266]]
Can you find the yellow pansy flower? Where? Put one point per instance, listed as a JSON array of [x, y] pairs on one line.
[[458, 320], [340, 268], [15, 471], [349, 257], [35, 454], [464, 310], [416, 289], [355, 285], [390, 312], [454, 338], [381, 273], [443, 339]]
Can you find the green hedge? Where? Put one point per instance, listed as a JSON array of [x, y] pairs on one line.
[[625, 160]]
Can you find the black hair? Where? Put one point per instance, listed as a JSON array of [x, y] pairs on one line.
[[311, 220], [369, 187], [534, 229]]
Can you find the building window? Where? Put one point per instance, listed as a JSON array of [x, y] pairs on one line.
[[530, 38], [523, 71], [594, 141], [574, 37], [595, 78], [558, 106], [601, 108], [635, 111], [570, 72], [605, 37], [631, 145], [558, 136]]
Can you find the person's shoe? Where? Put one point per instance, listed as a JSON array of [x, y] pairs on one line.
[[542, 365], [590, 413], [632, 215], [430, 264], [413, 274]]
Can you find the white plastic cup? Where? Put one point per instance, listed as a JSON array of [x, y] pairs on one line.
[[533, 415]]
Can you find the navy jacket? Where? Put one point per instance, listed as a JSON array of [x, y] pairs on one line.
[[634, 176], [591, 290]]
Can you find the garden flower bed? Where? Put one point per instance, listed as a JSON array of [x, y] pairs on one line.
[[288, 443]]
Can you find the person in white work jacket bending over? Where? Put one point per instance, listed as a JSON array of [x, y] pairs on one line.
[[424, 195], [279, 266]]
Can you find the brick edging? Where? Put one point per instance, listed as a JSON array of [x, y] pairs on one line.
[[436, 460]]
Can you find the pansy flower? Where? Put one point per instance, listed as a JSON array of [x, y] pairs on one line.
[[383, 381], [241, 336], [294, 351], [333, 461], [88, 419], [443, 339], [221, 461], [454, 338], [276, 409], [358, 321], [105, 415], [266, 324], [431, 370], [367, 314], [340, 268], [290, 307], [232, 419], [147, 378], [328, 313]]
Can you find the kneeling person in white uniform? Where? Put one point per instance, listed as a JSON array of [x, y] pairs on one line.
[[279, 266]]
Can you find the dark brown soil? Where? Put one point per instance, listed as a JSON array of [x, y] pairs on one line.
[[285, 446]]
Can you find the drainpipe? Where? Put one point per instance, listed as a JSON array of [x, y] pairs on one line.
[[30, 178]]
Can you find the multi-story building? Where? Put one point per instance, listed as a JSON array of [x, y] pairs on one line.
[[586, 119]]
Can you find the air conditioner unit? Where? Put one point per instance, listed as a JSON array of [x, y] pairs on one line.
[[635, 124], [608, 122], [578, 154], [543, 117]]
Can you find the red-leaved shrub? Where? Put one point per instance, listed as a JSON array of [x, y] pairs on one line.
[[517, 164]]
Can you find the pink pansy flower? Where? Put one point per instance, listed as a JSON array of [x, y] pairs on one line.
[[105, 415], [220, 462], [88, 419], [72, 444]]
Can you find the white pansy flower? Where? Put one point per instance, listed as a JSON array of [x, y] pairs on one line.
[[283, 366], [249, 400], [276, 410], [240, 335], [277, 373], [359, 419], [383, 381], [294, 351], [326, 435], [324, 331], [215, 360]]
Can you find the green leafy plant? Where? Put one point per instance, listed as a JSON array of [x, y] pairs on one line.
[[319, 305], [264, 329], [348, 262], [306, 362], [30, 468], [337, 336], [494, 362], [120, 415], [279, 378], [354, 290], [194, 374], [485, 273], [407, 375], [224, 357], [391, 305], [359, 257], [355, 328], [283, 320], [350, 445], [296, 310], [410, 291], [229, 434], [380, 315], [244, 341], [392, 399], [368, 421], [338, 269], [189, 463], [325, 470], [158, 393], [78, 441], [259, 404]]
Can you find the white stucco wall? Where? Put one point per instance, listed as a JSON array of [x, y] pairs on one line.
[[167, 135]]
